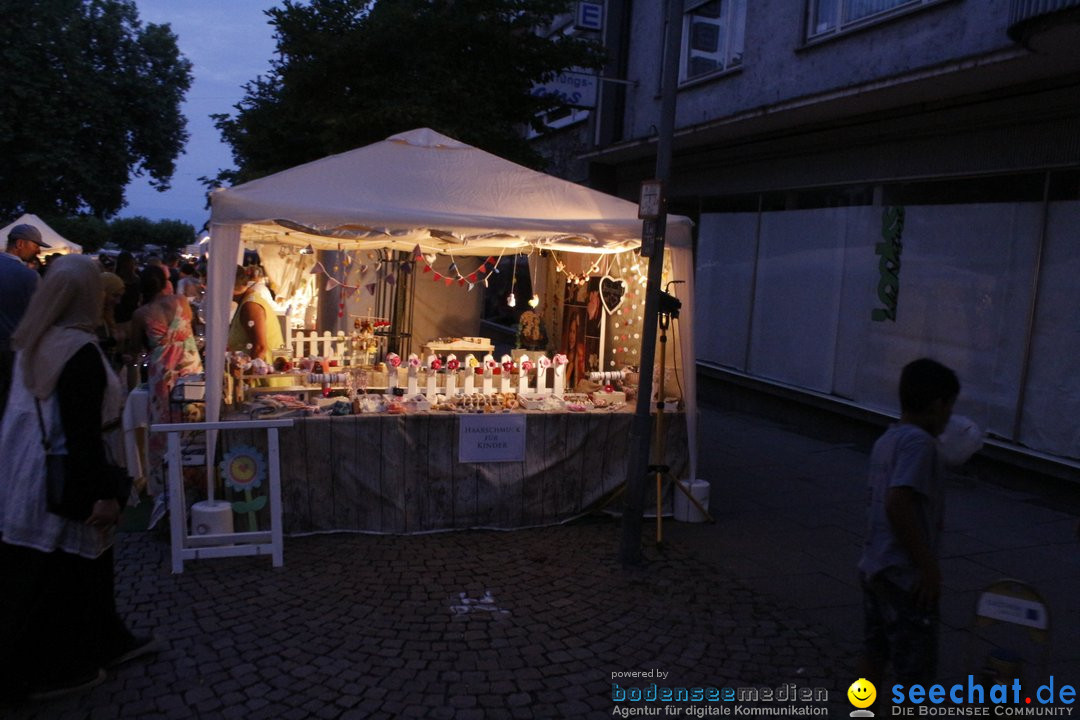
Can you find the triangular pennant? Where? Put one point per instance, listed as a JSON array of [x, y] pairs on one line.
[[461, 282], [417, 251], [482, 269], [405, 267], [436, 277], [363, 269], [427, 268], [452, 268], [371, 288], [389, 279], [331, 283], [472, 277], [316, 268], [490, 261], [449, 281]]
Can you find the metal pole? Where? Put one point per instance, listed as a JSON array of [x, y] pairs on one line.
[[638, 465]]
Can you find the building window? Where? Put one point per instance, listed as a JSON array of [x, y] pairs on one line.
[[712, 37], [830, 16]]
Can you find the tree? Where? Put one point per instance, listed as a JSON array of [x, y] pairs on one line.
[[352, 72], [135, 233], [86, 230], [91, 97]]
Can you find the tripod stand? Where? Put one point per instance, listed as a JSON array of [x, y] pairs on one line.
[[669, 308]]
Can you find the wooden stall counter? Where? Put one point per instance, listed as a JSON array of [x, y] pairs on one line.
[[403, 473]]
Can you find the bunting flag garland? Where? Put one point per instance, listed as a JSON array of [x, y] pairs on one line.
[[453, 272]]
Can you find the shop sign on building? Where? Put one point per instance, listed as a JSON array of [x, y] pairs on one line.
[[576, 88], [590, 16]]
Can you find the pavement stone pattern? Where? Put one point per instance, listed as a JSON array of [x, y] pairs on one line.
[[479, 624], [533, 623]]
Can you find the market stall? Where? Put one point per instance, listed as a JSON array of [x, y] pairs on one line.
[[57, 243], [453, 211]]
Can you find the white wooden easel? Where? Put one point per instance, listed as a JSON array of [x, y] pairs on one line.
[[186, 546]]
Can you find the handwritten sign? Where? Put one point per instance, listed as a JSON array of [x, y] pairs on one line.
[[491, 438]]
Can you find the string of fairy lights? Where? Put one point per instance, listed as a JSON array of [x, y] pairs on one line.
[[612, 272]]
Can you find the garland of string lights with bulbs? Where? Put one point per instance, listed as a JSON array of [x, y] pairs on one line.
[[626, 318]]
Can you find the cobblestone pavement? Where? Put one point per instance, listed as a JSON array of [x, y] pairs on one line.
[[524, 624]]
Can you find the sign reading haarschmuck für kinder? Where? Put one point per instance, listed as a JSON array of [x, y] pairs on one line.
[[491, 438]]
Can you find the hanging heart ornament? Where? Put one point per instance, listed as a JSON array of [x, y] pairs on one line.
[[612, 293]]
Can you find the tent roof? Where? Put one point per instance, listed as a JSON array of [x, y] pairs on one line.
[[423, 188], [57, 242]]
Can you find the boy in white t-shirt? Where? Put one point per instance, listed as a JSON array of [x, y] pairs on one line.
[[899, 569]]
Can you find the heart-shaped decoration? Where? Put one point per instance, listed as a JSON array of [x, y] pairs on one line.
[[612, 293]]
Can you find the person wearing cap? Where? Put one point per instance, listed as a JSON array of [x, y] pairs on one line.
[[17, 284]]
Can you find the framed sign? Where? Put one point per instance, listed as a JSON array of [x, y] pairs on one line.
[[491, 438]]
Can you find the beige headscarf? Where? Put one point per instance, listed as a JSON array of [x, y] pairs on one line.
[[62, 316]]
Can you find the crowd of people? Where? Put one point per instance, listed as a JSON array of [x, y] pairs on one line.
[[66, 329]]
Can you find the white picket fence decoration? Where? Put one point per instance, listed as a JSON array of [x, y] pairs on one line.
[[314, 344]]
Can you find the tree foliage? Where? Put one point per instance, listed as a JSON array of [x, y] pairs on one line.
[[134, 233], [91, 97], [353, 72]]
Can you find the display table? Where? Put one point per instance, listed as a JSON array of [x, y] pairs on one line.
[[400, 473]]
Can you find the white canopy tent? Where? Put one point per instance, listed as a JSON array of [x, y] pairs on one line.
[[420, 188], [57, 242]]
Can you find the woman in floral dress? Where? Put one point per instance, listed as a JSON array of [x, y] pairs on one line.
[[162, 325]]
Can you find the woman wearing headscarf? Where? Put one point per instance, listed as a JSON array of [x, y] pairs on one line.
[[58, 621]]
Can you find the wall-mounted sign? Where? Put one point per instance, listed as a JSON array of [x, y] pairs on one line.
[[590, 16], [576, 88], [491, 438]]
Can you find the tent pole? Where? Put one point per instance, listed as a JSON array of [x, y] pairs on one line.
[[637, 467]]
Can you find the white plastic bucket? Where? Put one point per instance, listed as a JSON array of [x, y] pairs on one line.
[[211, 518], [685, 510]]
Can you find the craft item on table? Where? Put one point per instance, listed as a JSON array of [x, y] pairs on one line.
[[559, 388], [327, 378], [282, 364], [260, 367], [416, 403], [507, 370], [370, 404], [395, 407], [525, 366], [431, 389], [414, 369], [543, 364], [546, 402], [393, 362], [489, 373], [452, 366]]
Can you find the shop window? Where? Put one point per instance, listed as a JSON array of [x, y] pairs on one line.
[[830, 16], [713, 33]]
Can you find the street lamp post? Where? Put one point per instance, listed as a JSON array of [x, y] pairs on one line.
[[637, 468]]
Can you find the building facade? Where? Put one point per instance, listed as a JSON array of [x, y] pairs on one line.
[[872, 181]]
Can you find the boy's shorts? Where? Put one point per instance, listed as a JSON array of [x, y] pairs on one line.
[[898, 632]]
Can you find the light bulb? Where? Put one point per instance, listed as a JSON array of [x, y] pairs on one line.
[[534, 301], [511, 300]]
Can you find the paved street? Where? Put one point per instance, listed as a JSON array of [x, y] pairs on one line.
[[538, 622]]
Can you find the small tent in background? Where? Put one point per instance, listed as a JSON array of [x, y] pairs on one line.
[[57, 243]]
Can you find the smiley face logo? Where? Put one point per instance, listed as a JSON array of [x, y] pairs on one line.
[[862, 693]]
